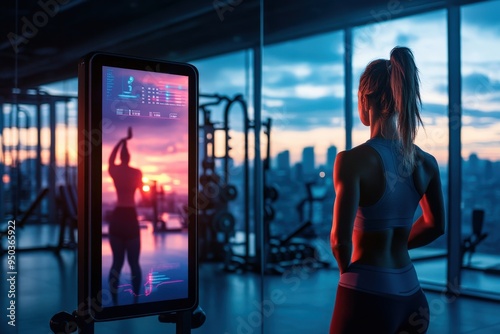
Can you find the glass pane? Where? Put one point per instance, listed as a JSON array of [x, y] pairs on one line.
[[225, 223], [376, 41], [480, 146], [24, 171], [303, 95]]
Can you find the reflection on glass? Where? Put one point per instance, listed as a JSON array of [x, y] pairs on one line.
[[144, 196]]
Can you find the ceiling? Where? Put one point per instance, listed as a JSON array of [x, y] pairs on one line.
[[51, 35]]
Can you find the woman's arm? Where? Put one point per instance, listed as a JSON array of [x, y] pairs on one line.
[[346, 182], [112, 156], [430, 225]]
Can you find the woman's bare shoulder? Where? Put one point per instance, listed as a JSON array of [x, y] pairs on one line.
[[356, 159], [426, 159]]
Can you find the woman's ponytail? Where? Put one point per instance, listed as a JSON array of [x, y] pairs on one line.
[[406, 94]]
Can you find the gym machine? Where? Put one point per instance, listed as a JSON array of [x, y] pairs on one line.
[[216, 223], [30, 191], [287, 251]]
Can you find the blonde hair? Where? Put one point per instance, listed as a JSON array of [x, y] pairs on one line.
[[407, 102], [394, 86]]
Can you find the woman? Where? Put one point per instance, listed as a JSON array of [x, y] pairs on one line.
[[379, 185], [124, 235]]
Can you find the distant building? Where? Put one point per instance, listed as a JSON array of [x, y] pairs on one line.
[[331, 153], [473, 164], [489, 174], [298, 172], [308, 165], [283, 161]]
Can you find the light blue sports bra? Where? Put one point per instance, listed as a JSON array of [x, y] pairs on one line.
[[400, 199]]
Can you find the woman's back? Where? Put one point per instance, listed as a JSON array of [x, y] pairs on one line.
[[388, 198]]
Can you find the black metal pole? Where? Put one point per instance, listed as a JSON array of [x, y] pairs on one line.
[[246, 167], [454, 221], [52, 163], [38, 156], [348, 49]]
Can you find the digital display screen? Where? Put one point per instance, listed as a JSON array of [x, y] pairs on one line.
[[145, 153]]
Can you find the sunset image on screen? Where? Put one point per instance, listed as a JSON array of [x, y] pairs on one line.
[[144, 186]]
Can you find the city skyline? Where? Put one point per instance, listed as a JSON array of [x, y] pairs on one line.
[[473, 155], [303, 83], [282, 159]]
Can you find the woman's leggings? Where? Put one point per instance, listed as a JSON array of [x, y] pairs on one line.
[[364, 310], [120, 247]]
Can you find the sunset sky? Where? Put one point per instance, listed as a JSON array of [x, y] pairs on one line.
[[160, 153], [303, 88], [159, 146]]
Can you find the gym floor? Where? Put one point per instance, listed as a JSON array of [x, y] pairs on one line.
[[301, 302]]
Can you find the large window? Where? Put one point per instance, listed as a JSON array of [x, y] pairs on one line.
[[26, 134], [303, 95], [225, 221], [480, 142], [225, 80]]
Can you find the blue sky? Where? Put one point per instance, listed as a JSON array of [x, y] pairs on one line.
[[303, 88], [303, 82]]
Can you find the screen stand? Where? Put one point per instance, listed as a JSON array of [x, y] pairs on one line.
[[185, 320], [65, 323], [182, 321]]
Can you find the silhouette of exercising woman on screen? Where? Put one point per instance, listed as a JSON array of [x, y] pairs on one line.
[[124, 227], [379, 185]]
